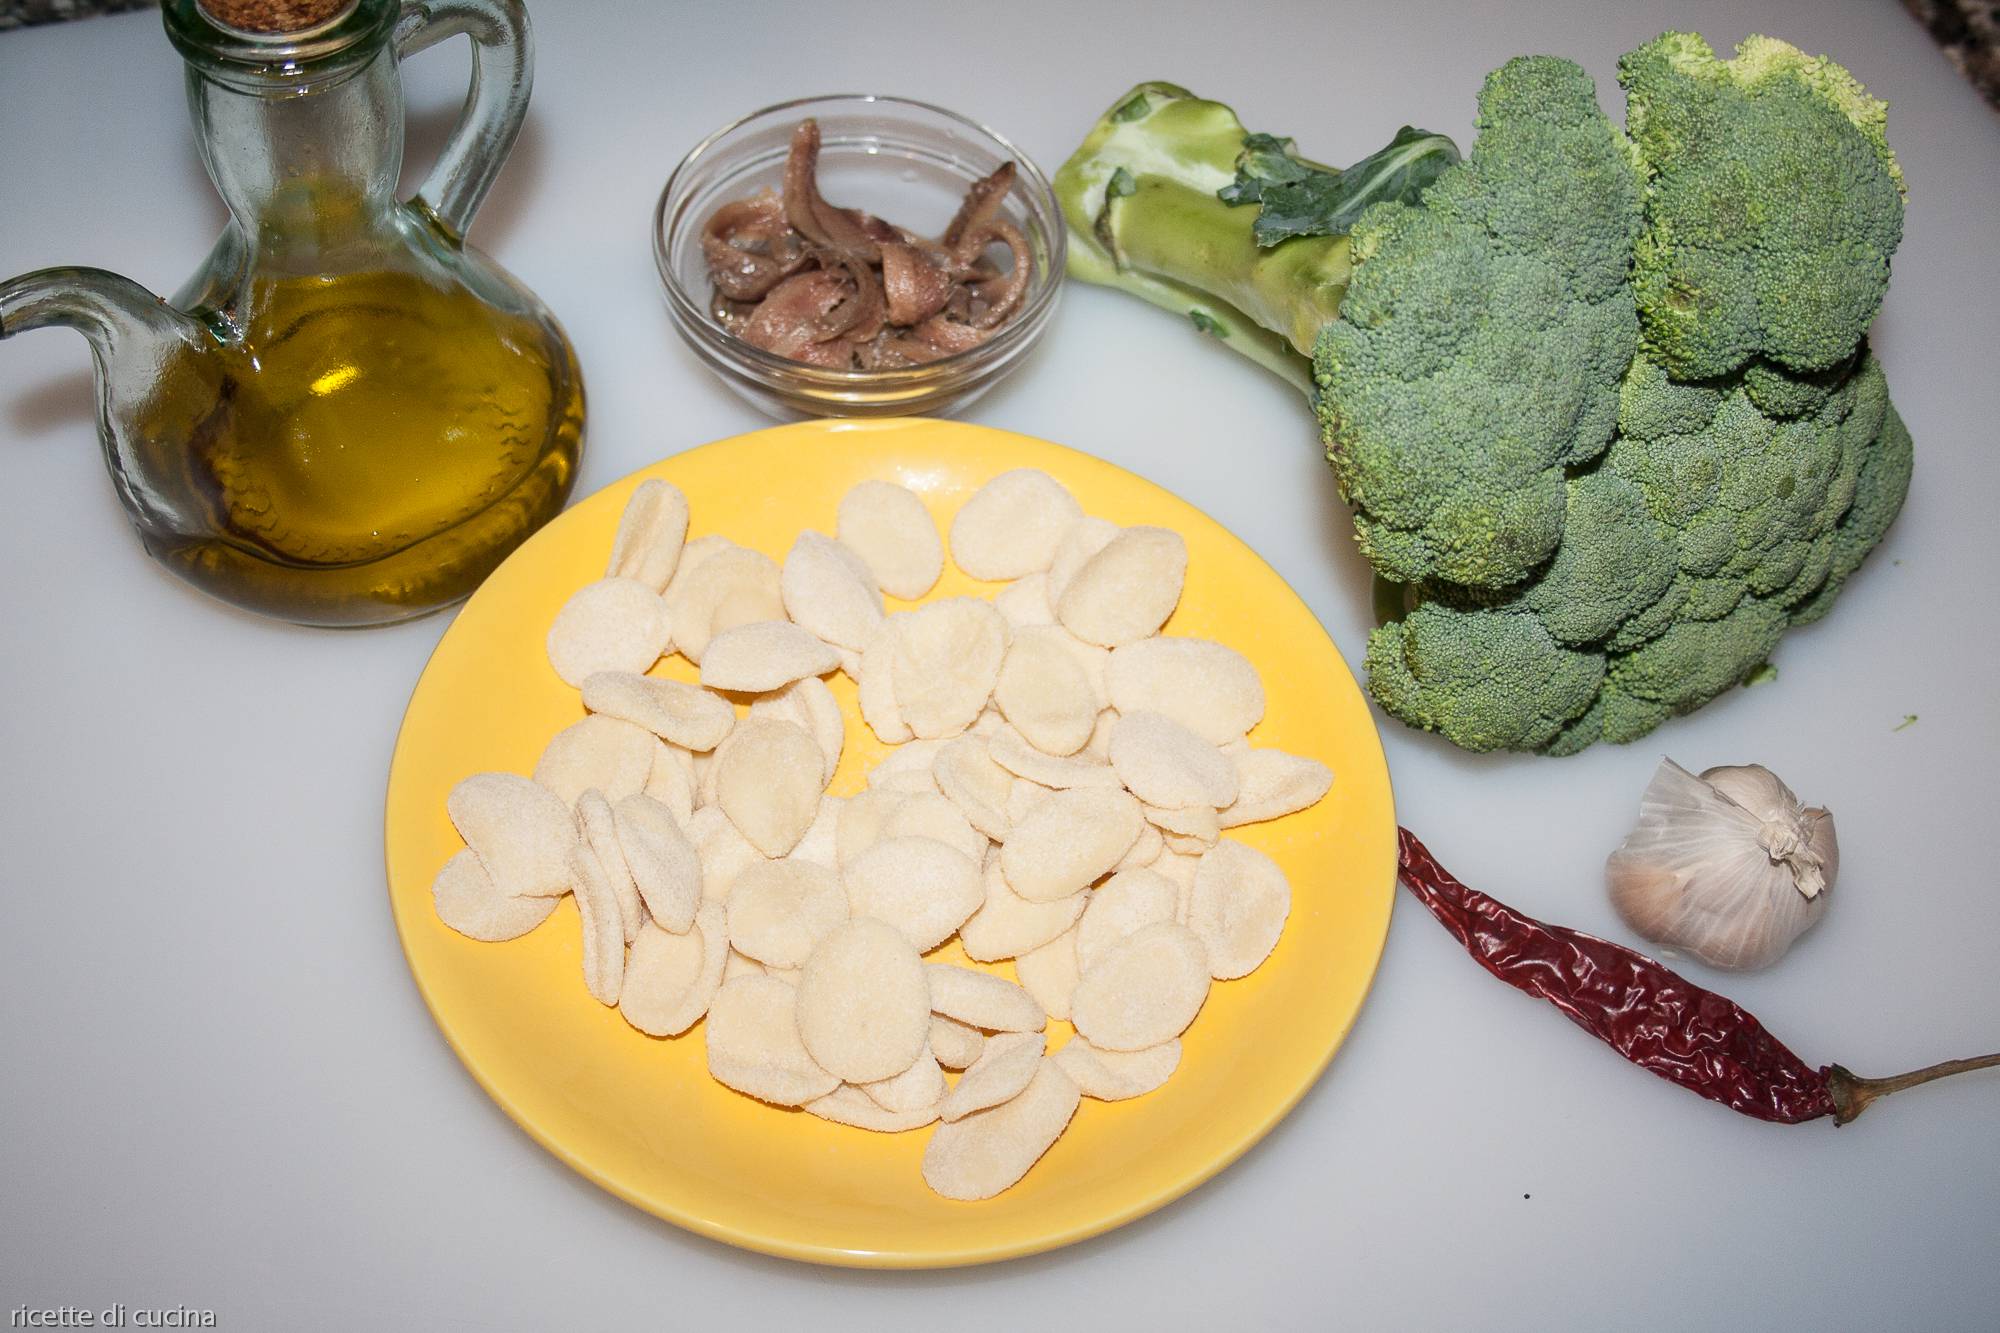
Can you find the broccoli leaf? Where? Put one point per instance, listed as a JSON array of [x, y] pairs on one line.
[[1133, 108], [1267, 159], [1301, 198]]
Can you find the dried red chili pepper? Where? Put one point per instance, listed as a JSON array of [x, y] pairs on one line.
[[1647, 1012]]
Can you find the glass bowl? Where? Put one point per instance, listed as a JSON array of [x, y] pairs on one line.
[[905, 161]]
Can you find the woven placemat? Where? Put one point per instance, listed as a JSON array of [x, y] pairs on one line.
[[20, 13], [1969, 33]]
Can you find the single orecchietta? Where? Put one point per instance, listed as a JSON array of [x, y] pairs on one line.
[[1056, 799]]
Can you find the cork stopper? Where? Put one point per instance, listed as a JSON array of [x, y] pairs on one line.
[[274, 19]]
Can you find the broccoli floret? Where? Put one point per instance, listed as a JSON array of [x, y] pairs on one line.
[[1783, 393], [1652, 406], [1584, 732], [1675, 673], [1483, 337], [1878, 498], [1674, 604], [1615, 561], [1488, 679], [1772, 205], [1685, 555], [1688, 665], [1879, 490], [1754, 501], [1602, 405]]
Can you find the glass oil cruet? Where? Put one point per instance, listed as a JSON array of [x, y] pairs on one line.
[[348, 416]]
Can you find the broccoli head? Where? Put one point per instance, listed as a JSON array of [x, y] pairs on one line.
[[1483, 336], [1601, 400], [1773, 204], [1708, 528]]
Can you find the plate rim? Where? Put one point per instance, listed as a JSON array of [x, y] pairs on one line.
[[890, 1259]]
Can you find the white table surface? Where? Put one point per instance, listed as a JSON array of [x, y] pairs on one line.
[[220, 1089]]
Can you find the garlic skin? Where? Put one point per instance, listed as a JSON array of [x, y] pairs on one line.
[[1727, 866]]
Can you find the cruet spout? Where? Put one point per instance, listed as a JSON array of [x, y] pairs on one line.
[[158, 380], [128, 327]]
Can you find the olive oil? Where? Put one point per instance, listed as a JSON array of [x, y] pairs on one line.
[[367, 444], [347, 415]]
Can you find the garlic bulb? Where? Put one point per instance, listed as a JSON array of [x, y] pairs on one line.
[[1727, 866]]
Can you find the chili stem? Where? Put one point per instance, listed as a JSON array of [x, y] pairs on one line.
[[1852, 1094]]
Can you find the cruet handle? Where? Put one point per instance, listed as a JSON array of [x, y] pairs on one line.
[[502, 76]]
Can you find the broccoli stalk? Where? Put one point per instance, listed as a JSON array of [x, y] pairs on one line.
[[1142, 199], [1601, 404]]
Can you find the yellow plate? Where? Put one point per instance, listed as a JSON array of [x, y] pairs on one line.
[[641, 1116]]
